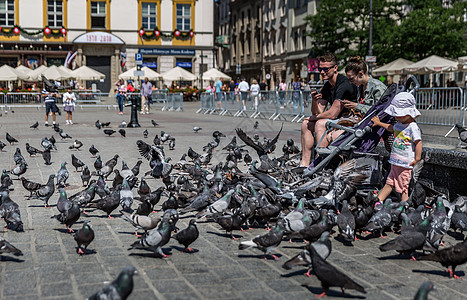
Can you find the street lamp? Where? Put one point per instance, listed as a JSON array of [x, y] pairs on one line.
[[370, 40]]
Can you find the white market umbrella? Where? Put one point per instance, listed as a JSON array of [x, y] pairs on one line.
[[65, 70], [149, 73], [87, 73], [23, 69], [8, 73], [178, 74], [55, 73], [462, 62], [35, 74], [214, 74], [432, 64], [395, 67]]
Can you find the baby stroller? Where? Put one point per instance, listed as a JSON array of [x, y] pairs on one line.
[[362, 139]]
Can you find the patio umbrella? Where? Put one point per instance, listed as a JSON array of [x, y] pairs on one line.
[[8, 73], [432, 64], [178, 74], [462, 62], [35, 74], [214, 74], [395, 67], [55, 73], [65, 70], [23, 69], [87, 73], [150, 74]]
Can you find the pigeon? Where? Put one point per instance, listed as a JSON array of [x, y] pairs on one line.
[[122, 132], [98, 124], [172, 144], [109, 132], [64, 135], [380, 220], [85, 175], [139, 221], [32, 150], [93, 151], [6, 247], [19, 169], [84, 237], [98, 163], [459, 220], [425, 288], [52, 140], [267, 242], [18, 158], [145, 133], [260, 149], [346, 222], [126, 196], [154, 123], [143, 188], [155, 238], [46, 191], [439, 225], [196, 129], [330, 276], [46, 156], [136, 167], [462, 133], [2, 145], [256, 125], [35, 125], [10, 139], [230, 221], [63, 204], [452, 256], [323, 247], [77, 163], [218, 206], [83, 198], [122, 125], [109, 203], [105, 124], [10, 213], [187, 236], [76, 145], [69, 216], [62, 175], [56, 128], [47, 144], [192, 154], [119, 289], [30, 186]]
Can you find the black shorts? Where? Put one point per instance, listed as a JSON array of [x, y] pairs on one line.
[[50, 107]]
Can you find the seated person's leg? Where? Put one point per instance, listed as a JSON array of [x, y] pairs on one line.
[[320, 128], [307, 140], [331, 137]]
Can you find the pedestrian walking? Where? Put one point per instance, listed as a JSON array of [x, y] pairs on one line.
[[50, 99], [146, 92], [218, 89], [254, 89], [244, 89], [121, 94]]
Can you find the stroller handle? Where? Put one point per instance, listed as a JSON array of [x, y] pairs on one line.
[[410, 80]]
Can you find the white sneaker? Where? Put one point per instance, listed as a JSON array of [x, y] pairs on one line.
[[244, 108], [66, 121], [71, 122]]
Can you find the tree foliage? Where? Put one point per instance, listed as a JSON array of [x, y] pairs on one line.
[[412, 29]]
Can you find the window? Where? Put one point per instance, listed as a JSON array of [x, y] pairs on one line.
[[148, 18], [282, 41], [98, 14], [7, 12], [55, 13], [184, 17], [273, 43]]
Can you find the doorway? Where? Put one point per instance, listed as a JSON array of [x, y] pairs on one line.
[[100, 64]]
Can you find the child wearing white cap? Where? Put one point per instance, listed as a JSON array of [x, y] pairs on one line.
[[407, 147]]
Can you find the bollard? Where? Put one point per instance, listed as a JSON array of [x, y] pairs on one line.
[[134, 112]]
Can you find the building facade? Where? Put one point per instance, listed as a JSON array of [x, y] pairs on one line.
[[106, 34]]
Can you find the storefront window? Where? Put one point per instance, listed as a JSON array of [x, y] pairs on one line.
[[55, 13], [148, 18], [98, 14], [7, 12], [183, 17]]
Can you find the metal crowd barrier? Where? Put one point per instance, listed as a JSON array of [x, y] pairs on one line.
[[174, 102], [441, 106]]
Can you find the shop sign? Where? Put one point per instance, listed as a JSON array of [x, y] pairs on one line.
[[167, 51]]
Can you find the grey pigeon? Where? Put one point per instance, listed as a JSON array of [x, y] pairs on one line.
[[380, 220], [155, 238], [62, 175], [323, 247], [18, 158], [108, 203], [35, 125], [85, 175], [217, 207], [346, 222], [77, 163], [439, 225], [119, 289], [10, 213], [122, 132], [330, 276], [93, 150], [46, 191], [69, 217], [32, 150], [10, 139], [63, 204], [462, 133], [19, 169], [6, 247], [126, 196], [187, 236], [76, 145], [196, 129], [459, 220], [267, 242], [425, 288], [139, 221], [126, 172], [47, 144], [46, 156], [84, 237]]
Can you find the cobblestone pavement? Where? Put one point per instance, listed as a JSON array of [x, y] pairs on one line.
[[51, 269]]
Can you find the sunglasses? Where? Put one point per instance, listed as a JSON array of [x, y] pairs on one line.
[[325, 69]]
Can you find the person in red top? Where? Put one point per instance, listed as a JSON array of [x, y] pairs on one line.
[[130, 88]]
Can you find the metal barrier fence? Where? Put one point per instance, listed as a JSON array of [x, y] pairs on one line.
[[439, 106]]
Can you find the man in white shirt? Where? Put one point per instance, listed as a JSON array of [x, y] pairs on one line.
[[244, 88]]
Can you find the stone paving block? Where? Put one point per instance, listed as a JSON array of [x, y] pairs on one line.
[[167, 285], [262, 295], [89, 278], [160, 273], [220, 291], [203, 279], [181, 296], [27, 285], [86, 268], [56, 289], [283, 285], [90, 289]]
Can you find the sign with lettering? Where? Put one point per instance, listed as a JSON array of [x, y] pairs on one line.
[[183, 64], [167, 51], [98, 37], [152, 65]]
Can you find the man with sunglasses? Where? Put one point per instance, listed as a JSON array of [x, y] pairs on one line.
[[337, 87]]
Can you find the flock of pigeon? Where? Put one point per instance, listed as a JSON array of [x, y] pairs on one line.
[[270, 194]]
